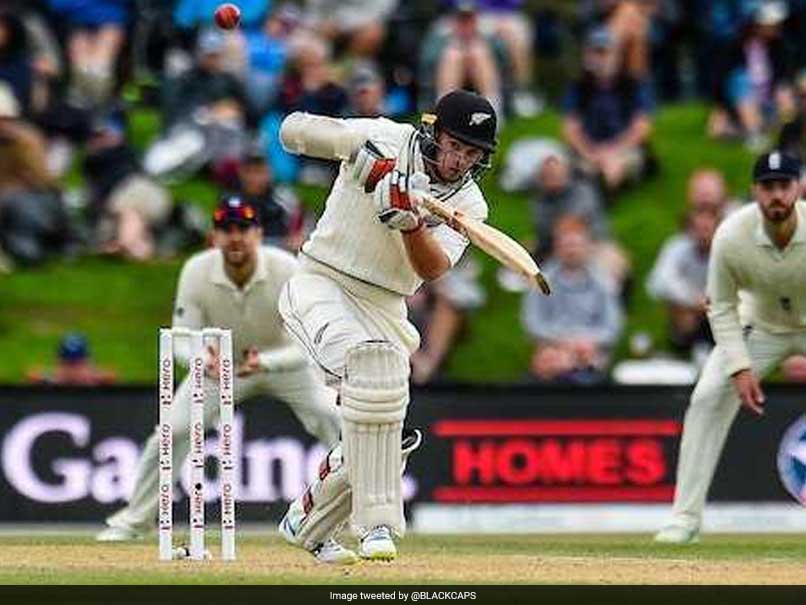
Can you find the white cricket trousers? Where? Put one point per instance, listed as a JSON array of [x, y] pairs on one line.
[[328, 313], [302, 390], [713, 407]]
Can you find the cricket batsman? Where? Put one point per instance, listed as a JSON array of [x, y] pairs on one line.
[[234, 285], [757, 310], [373, 246]]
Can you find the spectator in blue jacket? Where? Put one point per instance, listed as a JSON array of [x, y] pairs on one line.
[[716, 24], [267, 52], [754, 89], [96, 34]]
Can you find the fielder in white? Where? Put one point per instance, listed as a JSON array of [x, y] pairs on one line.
[[235, 285], [757, 309], [372, 247]]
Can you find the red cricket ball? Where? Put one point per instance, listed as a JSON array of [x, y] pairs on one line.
[[227, 16]]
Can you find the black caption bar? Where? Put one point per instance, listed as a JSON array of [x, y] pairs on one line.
[[430, 595]]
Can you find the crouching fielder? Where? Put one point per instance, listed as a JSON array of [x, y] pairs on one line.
[[235, 285], [371, 248], [757, 309]]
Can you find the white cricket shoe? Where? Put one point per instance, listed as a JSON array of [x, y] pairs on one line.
[[677, 534], [330, 551], [334, 553], [378, 545], [118, 534]]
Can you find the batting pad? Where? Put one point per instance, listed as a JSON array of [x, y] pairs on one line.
[[324, 506], [374, 396]]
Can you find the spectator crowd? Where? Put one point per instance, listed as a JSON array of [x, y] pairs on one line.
[[75, 73]]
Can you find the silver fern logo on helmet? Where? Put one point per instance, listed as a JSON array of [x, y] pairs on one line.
[[479, 118]]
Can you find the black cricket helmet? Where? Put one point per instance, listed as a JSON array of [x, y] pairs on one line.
[[466, 116]]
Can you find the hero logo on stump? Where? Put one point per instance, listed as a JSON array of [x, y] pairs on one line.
[[227, 16]]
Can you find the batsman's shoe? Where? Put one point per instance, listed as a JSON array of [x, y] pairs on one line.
[[378, 545], [677, 534], [329, 552], [118, 534], [334, 553]]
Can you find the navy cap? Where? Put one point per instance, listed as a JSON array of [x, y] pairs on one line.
[[233, 210], [73, 347], [776, 165]]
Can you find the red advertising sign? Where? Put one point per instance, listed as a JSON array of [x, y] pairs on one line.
[[562, 460]]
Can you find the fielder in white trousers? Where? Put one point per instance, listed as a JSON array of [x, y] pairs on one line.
[[757, 309], [714, 405], [234, 285], [310, 401]]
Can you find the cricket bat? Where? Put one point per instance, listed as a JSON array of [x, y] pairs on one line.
[[496, 243]]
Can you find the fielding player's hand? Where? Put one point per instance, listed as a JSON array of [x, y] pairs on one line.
[[370, 166], [397, 199], [749, 390], [250, 364]]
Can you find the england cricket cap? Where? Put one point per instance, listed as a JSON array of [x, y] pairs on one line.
[[776, 165], [233, 210]]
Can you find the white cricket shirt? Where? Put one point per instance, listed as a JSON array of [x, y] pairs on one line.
[[206, 297], [350, 238], [751, 282]]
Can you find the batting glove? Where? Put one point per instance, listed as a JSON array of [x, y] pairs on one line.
[[371, 166], [396, 200]]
